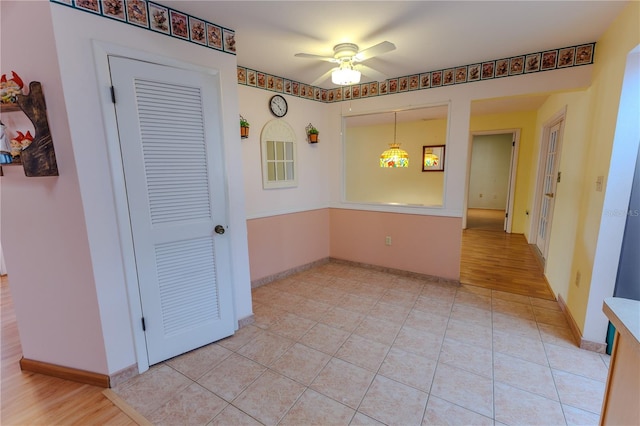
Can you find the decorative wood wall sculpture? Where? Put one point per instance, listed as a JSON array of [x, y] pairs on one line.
[[39, 158]]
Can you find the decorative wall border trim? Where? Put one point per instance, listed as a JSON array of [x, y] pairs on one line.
[[548, 60], [152, 16]]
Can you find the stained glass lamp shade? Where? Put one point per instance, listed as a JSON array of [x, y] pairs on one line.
[[394, 156], [430, 159]]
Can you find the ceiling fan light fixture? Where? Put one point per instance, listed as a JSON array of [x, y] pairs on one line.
[[345, 75], [346, 55]]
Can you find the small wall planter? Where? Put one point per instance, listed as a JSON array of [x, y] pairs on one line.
[[244, 128], [312, 133]]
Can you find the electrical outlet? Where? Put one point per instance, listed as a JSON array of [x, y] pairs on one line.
[[387, 241], [578, 276]]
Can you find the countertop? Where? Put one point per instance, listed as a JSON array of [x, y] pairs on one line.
[[624, 314]]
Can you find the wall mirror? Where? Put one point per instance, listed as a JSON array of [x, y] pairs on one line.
[[367, 136]]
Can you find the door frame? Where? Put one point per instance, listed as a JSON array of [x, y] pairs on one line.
[[101, 52], [558, 118], [513, 170]]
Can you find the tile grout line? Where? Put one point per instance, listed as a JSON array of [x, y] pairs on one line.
[[283, 293], [553, 377], [435, 370], [332, 357], [357, 410]]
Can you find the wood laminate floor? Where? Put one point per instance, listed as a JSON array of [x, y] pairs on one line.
[[501, 261], [35, 399], [485, 219]]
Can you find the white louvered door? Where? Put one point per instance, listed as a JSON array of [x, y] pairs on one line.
[[170, 137]]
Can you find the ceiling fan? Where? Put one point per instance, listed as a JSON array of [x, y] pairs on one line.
[[347, 55]]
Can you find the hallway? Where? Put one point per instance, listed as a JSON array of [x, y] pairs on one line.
[[500, 261], [487, 219]]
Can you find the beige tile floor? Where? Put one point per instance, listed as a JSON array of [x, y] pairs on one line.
[[343, 345]]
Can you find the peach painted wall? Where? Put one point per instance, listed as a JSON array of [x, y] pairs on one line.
[[282, 242], [419, 243]]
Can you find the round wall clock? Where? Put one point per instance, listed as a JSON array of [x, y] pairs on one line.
[[278, 106]]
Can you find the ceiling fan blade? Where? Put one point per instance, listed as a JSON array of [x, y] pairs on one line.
[[311, 56], [370, 72], [322, 78], [378, 49]]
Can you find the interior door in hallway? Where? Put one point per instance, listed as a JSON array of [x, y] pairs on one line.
[[169, 124], [548, 188], [491, 182]]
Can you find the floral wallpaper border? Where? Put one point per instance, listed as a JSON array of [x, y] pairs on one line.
[[153, 16], [547, 60]]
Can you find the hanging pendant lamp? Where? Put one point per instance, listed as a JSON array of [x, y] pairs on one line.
[[394, 156]]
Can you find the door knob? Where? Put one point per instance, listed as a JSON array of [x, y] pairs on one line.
[[549, 194], [219, 229]]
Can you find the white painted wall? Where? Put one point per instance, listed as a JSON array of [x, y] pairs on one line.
[[312, 191], [321, 165], [72, 305], [460, 98], [75, 33], [490, 168]]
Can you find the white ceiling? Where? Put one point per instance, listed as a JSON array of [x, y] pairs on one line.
[[429, 35]]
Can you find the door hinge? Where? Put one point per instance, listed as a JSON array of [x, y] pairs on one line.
[[506, 214], [144, 327], [113, 94], [559, 175], [513, 143]]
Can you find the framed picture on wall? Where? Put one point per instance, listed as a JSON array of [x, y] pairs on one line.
[[433, 158], [214, 39], [159, 18]]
